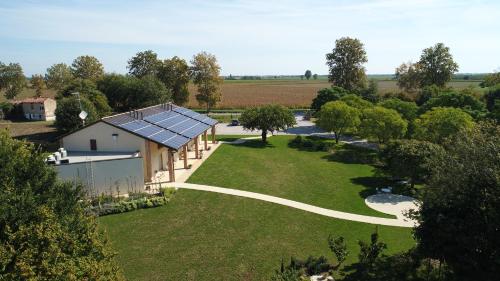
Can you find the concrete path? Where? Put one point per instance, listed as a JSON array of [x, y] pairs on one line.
[[393, 204], [294, 204]]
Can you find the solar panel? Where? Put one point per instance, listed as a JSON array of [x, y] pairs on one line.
[[205, 119], [180, 109], [149, 130], [168, 123], [160, 116], [135, 125], [196, 130]]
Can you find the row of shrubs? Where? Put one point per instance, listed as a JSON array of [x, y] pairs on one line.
[[133, 202], [312, 144]]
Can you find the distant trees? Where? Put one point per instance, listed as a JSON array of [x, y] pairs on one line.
[[491, 79], [175, 74], [45, 232], [345, 64], [205, 72], [38, 83], [58, 76], [267, 118], [143, 64], [459, 218], [370, 93], [327, 94], [87, 67], [493, 102], [440, 123], [383, 124], [408, 77], [315, 76], [337, 117], [12, 79], [308, 74]]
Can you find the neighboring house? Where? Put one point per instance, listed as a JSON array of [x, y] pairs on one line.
[[158, 135], [38, 108]]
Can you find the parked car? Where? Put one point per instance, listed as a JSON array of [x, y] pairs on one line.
[[235, 122]]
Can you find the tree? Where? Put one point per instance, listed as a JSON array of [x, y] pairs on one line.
[[338, 246], [356, 102], [87, 67], [38, 84], [459, 217], [491, 80], [267, 118], [493, 102], [407, 109], [149, 91], [436, 65], [58, 76], [371, 93], [441, 122], [45, 232], [383, 124], [315, 76], [466, 102], [327, 94], [206, 76], [174, 73], [88, 90], [345, 63], [308, 74], [143, 64], [67, 112], [12, 79], [408, 76], [409, 159], [428, 92], [337, 117]]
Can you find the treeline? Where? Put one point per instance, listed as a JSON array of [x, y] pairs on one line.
[[150, 81]]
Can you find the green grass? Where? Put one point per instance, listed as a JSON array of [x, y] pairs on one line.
[[313, 177], [208, 236]]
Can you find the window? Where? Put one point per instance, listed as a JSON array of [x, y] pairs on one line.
[[93, 144], [32, 106], [115, 138]]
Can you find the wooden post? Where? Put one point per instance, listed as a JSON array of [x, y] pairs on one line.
[[213, 134], [147, 161], [185, 152], [206, 140], [171, 167], [196, 141]]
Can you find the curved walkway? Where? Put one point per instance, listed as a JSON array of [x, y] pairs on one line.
[[401, 222]]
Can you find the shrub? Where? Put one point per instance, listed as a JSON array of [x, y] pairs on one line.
[[107, 205]]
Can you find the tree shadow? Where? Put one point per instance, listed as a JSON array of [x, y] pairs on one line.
[[350, 154], [254, 143], [370, 184]]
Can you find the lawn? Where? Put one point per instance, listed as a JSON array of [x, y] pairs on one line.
[[335, 181], [208, 236]]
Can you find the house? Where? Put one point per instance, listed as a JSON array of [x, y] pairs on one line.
[[159, 136], [38, 108]]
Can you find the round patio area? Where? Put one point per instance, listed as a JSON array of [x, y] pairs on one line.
[[392, 204]]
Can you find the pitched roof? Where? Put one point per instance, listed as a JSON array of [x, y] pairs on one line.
[[31, 100], [166, 124]]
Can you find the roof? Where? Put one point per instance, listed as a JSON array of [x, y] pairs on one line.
[[31, 100], [166, 124]]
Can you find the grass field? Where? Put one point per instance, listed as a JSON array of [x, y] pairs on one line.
[[39, 132], [313, 177], [208, 236]]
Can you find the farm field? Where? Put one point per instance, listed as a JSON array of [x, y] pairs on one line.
[[207, 236], [39, 132]]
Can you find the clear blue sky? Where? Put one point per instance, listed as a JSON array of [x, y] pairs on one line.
[[250, 36]]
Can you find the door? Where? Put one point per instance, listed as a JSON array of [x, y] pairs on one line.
[[93, 144]]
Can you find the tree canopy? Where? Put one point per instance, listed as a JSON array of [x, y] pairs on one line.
[[466, 102], [491, 80], [408, 76], [12, 79], [327, 94], [206, 76], [58, 76], [436, 65], [459, 217], [88, 89], [345, 63], [67, 111], [45, 233], [383, 124], [337, 117], [87, 67], [38, 83], [143, 64], [493, 102], [308, 74], [407, 109], [267, 118], [356, 101], [441, 122], [174, 73]]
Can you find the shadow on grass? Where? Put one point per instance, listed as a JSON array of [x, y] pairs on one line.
[[350, 154], [255, 143], [370, 184]]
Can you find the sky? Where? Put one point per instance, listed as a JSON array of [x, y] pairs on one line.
[[248, 37]]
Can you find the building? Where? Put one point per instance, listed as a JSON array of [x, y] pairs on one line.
[[160, 136], [38, 108]]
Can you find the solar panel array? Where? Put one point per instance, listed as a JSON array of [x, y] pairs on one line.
[[169, 125]]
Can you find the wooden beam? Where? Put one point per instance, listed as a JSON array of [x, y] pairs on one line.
[[185, 152], [196, 151], [206, 140], [213, 134], [147, 160], [171, 167]]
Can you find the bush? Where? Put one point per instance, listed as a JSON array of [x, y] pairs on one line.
[[107, 205]]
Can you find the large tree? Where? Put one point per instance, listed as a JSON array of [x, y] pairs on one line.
[[409, 159], [88, 89], [436, 65], [407, 109], [58, 76], [408, 76], [337, 117], [206, 76], [327, 94], [143, 64], [174, 73], [441, 122], [67, 112], [356, 102], [267, 118], [345, 64], [38, 84], [12, 79], [383, 124], [87, 67], [45, 231], [460, 214], [308, 74]]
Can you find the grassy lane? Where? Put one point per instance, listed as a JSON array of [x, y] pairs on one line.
[[316, 178], [208, 236]]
